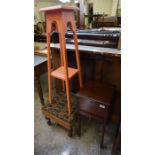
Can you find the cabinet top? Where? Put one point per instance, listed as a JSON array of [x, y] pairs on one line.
[[59, 7]]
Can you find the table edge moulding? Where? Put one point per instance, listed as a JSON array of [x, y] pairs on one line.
[[59, 7]]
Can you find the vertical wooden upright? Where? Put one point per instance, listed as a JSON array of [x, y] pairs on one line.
[[61, 16], [80, 14]]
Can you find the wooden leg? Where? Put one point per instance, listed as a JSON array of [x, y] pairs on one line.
[[56, 63], [40, 93], [102, 139], [70, 132], [63, 52], [79, 125], [48, 31], [117, 143], [48, 121], [73, 28], [78, 60], [103, 130]]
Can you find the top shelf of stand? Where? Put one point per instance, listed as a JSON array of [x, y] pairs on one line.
[[59, 7]]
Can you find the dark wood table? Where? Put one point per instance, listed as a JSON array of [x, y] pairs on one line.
[[40, 67], [95, 52]]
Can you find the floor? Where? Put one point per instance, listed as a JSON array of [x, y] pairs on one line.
[[54, 140]]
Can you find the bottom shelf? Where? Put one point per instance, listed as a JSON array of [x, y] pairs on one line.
[[57, 111]]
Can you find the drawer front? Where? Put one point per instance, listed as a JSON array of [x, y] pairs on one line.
[[91, 107]]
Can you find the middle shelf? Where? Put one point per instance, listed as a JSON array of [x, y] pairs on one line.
[[59, 73]]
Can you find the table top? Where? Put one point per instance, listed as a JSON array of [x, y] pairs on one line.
[[39, 60], [98, 32], [98, 42], [59, 7], [100, 29], [95, 50]]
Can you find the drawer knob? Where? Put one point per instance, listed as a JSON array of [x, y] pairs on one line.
[[102, 106]]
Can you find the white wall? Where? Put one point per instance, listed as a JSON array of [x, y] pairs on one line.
[[114, 7], [119, 4], [37, 5], [100, 6], [107, 6]]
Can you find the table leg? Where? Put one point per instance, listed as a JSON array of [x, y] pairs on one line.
[[103, 129], [39, 88], [79, 125], [117, 143]]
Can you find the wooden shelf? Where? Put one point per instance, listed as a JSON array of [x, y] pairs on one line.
[[60, 73]]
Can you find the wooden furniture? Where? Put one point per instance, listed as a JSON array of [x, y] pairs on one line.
[[117, 142], [61, 17], [103, 37], [94, 101], [104, 63], [110, 21], [94, 56], [105, 21], [40, 67], [40, 32], [94, 17], [80, 14], [119, 21], [91, 49]]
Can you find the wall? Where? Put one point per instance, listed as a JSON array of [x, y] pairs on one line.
[[101, 6], [114, 7], [37, 6], [119, 8], [107, 6], [119, 4]]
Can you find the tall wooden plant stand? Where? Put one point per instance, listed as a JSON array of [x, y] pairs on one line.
[[56, 110]]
